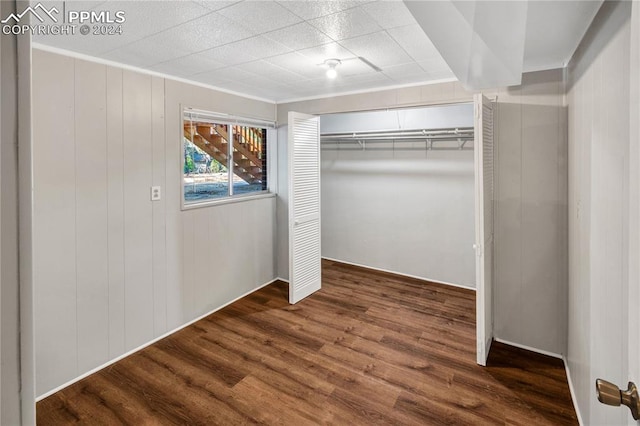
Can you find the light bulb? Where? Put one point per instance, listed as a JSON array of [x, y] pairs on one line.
[[332, 73]]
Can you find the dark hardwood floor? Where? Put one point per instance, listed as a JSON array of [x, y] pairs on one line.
[[369, 348]]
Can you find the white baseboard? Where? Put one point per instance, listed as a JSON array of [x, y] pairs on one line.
[[572, 391], [400, 273], [132, 351], [529, 348]]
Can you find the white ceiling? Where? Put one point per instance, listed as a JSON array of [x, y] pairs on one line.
[[264, 48], [491, 43], [554, 31], [272, 49]]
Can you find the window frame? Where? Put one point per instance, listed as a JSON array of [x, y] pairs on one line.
[[230, 121]]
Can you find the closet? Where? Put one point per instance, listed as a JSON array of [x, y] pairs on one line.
[[408, 191], [397, 191]]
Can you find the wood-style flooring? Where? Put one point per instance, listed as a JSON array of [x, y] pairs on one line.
[[369, 348]]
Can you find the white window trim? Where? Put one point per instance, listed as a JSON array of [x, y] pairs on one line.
[[231, 120]]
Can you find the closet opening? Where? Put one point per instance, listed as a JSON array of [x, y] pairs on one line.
[[410, 191], [407, 191], [397, 191]]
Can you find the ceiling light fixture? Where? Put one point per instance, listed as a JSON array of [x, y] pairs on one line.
[[332, 64]]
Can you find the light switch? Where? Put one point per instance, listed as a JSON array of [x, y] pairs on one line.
[[155, 193]]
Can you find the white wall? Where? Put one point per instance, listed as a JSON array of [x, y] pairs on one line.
[[599, 210], [530, 296], [410, 212], [531, 181], [113, 270]]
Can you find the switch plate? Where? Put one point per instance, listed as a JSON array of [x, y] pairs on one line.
[[155, 193]]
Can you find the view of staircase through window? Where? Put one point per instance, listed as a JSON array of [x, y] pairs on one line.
[[222, 159]]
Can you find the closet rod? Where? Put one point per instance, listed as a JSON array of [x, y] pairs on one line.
[[399, 140], [389, 139], [427, 145], [378, 148], [452, 132]]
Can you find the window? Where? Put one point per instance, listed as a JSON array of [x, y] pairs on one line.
[[223, 157]]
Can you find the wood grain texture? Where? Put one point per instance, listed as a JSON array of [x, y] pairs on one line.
[[369, 348]]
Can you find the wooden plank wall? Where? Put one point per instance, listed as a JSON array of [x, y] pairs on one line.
[[90, 149], [114, 270], [54, 227], [600, 216]]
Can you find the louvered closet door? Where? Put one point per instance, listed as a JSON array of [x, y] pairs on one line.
[[304, 206], [483, 149]]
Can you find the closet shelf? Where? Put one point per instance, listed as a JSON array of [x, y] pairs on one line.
[[459, 138]]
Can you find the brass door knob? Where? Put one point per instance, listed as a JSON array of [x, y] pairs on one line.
[[610, 394]]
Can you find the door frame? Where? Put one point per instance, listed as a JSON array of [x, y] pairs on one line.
[[479, 312], [484, 290]]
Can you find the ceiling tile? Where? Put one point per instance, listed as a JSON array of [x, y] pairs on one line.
[[264, 83], [143, 54], [236, 86], [287, 78], [270, 71], [200, 34], [379, 48], [347, 24], [141, 21], [354, 66], [271, 93], [400, 72], [441, 75], [311, 83], [317, 87], [415, 42], [299, 36], [187, 65], [437, 69], [260, 16], [319, 54], [389, 14], [216, 4], [259, 47], [76, 5], [152, 17], [364, 85], [299, 64], [227, 55], [227, 74], [264, 48], [314, 9], [321, 86], [434, 65], [360, 80]]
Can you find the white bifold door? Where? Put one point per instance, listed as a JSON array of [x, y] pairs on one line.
[[483, 150], [305, 269]]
